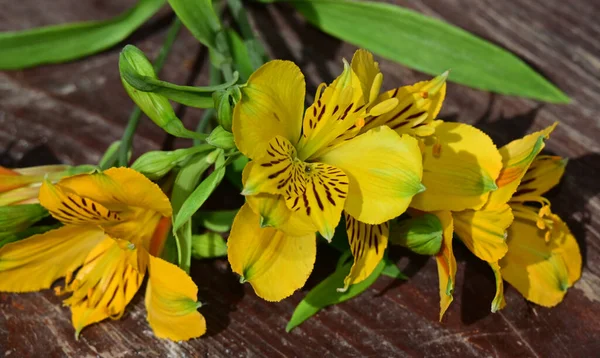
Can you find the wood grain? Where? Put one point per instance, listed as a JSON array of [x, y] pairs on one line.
[[72, 112]]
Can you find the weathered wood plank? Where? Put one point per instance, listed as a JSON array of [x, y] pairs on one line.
[[77, 109]]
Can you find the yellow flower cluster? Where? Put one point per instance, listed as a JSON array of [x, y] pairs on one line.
[[370, 156], [355, 153]]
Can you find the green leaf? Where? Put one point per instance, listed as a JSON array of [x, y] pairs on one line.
[[60, 43], [199, 97], [187, 179], [208, 245], [241, 57], [219, 221], [429, 45], [200, 18], [392, 270], [253, 47], [7, 238], [201, 193], [15, 218], [157, 164], [421, 234], [155, 106], [326, 294]]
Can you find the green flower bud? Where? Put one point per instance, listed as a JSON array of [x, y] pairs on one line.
[[221, 138], [422, 234], [225, 101], [157, 164]]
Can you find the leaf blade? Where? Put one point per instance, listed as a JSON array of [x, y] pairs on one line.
[[429, 45], [61, 43]]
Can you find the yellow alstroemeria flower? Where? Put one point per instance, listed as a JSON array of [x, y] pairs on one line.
[[460, 167], [104, 250], [343, 155], [22, 185]]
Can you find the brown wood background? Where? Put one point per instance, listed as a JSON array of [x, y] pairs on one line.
[[72, 112]]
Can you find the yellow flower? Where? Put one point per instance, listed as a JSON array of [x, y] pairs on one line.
[[104, 250], [343, 155], [543, 258], [485, 226], [21, 186]]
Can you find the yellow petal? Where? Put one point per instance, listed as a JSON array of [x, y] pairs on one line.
[[272, 104], [277, 171], [517, 156], [543, 174], [367, 243], [171, 302], [274, 263], [337, 108], [324, 197], [70, 208], [118, 187], [446, 263], [273, 212], [484, 231], [542, 272], [36, 262], [105, 284], [498, 303], [417, 105], [459, 171], [384, 171], [367, 71]]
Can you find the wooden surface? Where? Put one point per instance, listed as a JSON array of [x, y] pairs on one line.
[[72, 112]]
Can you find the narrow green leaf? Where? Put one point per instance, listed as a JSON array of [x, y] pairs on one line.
[[7, 238], [155, 106], [201, 193], [219, 221], [421, 234], [200, 18], [156, 164], [253, 46], [199, 97], [187, 179], [429, 45], [15, 218], [241, 57], [208, 245], [326, 294], [60, 43]]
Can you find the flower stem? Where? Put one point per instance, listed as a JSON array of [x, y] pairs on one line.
[[135, 115]]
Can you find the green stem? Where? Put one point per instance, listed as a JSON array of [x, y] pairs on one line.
[[135, 116], [215, 79]]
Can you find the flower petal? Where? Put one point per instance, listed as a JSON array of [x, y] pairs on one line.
[[277, 171], [498, 303], [337, 108], [543, 174], [367, 71], [384, 170], [367, 243], [459, 171], [36, 262], [417, 105], [118, 187], [542, 272], [324, 197], [273, 211], [171, 302], [446, 263], [105, 284], [517, 156], [484, 231], [70, 208], [272, 104], [274, 263]]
